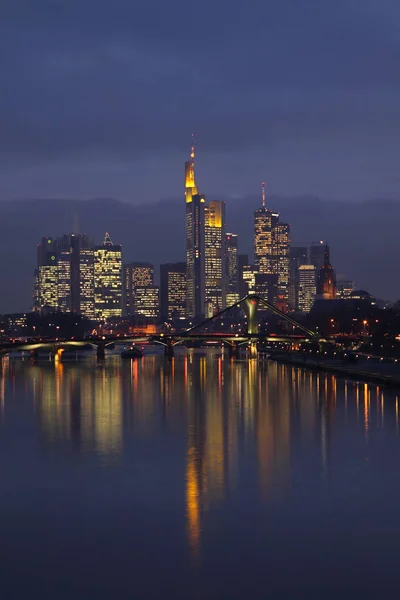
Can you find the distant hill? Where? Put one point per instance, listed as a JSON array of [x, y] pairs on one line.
[[364, 239]]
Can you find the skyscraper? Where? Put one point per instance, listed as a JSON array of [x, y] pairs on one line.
[[243, 261], [231, 269], [194, 227], [271, 248], [75, 274], [307, 287], [326, 286], [46, 276], [298, 256], [136, 274], [147, 301], [317, 256], [108, 279], [173, 290], [214, 242]]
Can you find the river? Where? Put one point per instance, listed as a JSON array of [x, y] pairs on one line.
[[198, 477]]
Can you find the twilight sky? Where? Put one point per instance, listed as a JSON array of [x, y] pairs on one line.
[[99, 97]]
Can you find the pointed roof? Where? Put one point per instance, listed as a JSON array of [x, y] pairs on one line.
[[107, 240]]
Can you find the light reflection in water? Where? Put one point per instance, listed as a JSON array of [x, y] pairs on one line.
[[223, 409]]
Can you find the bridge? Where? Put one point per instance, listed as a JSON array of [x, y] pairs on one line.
[[250, 303]]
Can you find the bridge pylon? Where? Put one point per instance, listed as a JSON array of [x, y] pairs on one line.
[[252, 302]]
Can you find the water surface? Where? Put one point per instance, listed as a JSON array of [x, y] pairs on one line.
[[197, 477]]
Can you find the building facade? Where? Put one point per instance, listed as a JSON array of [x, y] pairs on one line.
[[135, 274], [271, 248], [307, 288], [194, 232], [147, 301], [108, 279], [214, 254], [298, 256], [173, 290], [231, 269]]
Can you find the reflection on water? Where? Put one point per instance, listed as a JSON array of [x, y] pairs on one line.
[[224, 428]]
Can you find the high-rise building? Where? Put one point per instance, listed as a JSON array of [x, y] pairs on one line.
[[173, 290], [266, 286], [147, 301], [243, 261], [271, 248], [249, 273], [75, 274], [108, 279], [214, 242], [307, 288], [231, 269], [298, 256], [317, 256], [194, 228], [136, 274], [46, 276], [326, 287]]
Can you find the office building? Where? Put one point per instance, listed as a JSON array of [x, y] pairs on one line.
[[266, 286], [298, 256], [173, 290], [326, 286], [147, 301], [243, 261], [46, 276], [214, 246], [231, 269], [249, 273], [317, 257], [135, 274], [194, 231], [108, 279], [307, 288], [344, 289], [271, 248]]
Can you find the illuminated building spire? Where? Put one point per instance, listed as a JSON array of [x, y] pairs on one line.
[[190, 183], [263, 194], [192, 148], [107, 240]]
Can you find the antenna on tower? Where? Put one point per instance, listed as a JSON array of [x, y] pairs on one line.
[[76, 224], [263, 193], [192, 148]]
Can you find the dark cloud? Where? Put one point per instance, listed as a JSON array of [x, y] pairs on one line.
[[97, 91]]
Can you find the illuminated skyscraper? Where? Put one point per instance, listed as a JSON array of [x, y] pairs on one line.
[[326, 286], [46, 276], [75, 274], [271, 248], [243, 261], [231, 269], [214, 220], [136, 274], [249, 273], [307, 287], [194, 227], [298, 256], [173, 290], [147, 301], [108, 279]]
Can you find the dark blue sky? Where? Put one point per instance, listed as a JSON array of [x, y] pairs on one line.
[[99, 97]]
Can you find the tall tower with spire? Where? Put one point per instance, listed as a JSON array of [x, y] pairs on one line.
[[326, 287], [194, 230], [108, 279], [271, 248]]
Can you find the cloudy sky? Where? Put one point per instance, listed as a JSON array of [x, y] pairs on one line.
[[99, 97]]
